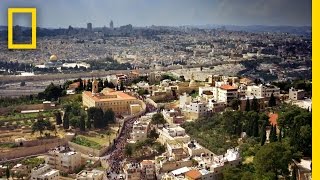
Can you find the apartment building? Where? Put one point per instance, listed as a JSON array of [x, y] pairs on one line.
[[148, 169], [173, 116], [175, 133], [296, 94], [263, 91], [64, 159], [243, 102], [226, 93], [154, 77], [139, 131], [132, 171], [90, 175], [44, 172]]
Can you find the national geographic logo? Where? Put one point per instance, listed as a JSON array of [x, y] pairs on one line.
[[33, 12]]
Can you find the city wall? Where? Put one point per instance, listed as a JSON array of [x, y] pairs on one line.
[[33, 150]]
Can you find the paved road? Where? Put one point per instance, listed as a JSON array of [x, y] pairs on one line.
[[100, 73], [115, 157]]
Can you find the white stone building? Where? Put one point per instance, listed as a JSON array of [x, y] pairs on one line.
[[44, 172]]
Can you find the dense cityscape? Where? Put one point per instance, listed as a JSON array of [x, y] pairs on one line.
[[206, 102]]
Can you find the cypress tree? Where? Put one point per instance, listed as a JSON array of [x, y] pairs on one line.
[[81, 85], [66, 122], [272, 101], [82, 124], [58, 117], [247, 105], [8, 172], [263, 134], [280, 135], [255, 130], [255, 105], [89, 85], [271, 133], [105, 83], [88, 123], [100, 85], [294, 173], [275, 133], [84, 86]]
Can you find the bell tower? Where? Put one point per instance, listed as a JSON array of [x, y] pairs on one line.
[[94, 87]]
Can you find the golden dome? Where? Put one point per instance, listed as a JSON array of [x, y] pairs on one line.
[[53, 58]]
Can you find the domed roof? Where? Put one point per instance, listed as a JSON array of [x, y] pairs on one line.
[[53, 58]]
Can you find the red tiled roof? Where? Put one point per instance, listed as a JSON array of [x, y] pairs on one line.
[[193, 174], [228, 87]]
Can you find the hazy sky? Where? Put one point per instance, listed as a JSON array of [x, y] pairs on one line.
[[62, 13]]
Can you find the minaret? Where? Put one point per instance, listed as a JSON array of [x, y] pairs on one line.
[[94, 86]]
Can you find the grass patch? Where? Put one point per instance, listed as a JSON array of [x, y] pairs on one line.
[[20, 116], [33, 162], [74, 98], [8, 145], [84, 141]]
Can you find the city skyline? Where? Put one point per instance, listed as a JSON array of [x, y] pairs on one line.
[[177, 13]]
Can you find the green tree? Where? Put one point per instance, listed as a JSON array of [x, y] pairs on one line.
[[263, 135], [57, 115], [41, 125], [158, 119], [89, 123], [252, 127], [294, 173], [109, 116], [111, 85], [8, 172], [247, 108], [51, 92], [234, 104], [153, 134], [232, 173], [255, 105], [280, 135], [272, 160], [96, 115], [81, 88], [74, 121], [255, 126], [272, 101], [82, 123], [263, 119], [273, 134], [89, 85], [105, 83], [100, 85], [66, 122]]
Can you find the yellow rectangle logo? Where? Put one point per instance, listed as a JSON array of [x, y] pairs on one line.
[[33, 12]]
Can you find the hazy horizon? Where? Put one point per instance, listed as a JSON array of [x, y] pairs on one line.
[[142, 13]]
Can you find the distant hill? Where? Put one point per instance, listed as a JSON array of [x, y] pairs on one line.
[[300, 30]]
